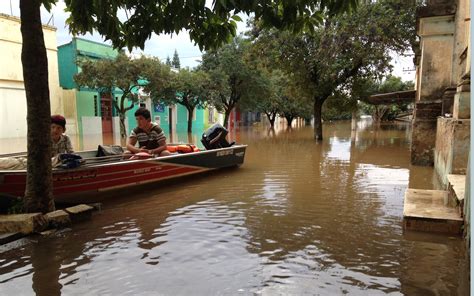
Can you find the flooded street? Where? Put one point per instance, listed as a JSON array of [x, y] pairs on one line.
[[298, 218]]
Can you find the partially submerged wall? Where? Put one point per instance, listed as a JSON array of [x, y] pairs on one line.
[[452, 147]]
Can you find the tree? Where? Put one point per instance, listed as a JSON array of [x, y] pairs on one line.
[[208, 27], [187, 88], [267, 102], [122, 74], [293, 104], [175, 63], [168, 61], [365, 88], [38, 193], [345, 48], [232, 79]]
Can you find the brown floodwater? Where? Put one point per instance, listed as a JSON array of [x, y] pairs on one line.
[[298, 218]]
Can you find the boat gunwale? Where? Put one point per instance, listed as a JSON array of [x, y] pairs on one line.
[[124, 162]]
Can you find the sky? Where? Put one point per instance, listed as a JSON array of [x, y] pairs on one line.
[[163, 45]]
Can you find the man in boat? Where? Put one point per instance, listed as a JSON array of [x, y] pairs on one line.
[[60, 142], [150, 137]]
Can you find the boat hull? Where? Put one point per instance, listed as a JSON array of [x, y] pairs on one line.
[[96, 178]]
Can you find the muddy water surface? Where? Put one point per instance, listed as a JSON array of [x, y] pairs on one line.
[[298, 218]]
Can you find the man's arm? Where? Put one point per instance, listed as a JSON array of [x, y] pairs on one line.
[[131, 145], [160, 148]]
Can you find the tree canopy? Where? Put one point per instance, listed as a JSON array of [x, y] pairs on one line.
[[209, 27], [175, 62], [232, 78], [187, 88], [344, 48], [122, 76]]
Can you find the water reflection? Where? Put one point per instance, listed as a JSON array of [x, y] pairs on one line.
[[299, 217]]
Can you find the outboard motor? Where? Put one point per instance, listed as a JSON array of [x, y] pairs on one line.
[[214, 137]]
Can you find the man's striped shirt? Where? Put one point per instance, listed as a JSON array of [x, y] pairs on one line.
[[150, 140]]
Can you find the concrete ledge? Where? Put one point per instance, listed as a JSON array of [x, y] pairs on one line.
[[58, 219], [9, 237], [24, 223], [433, 225], [430, 210], [79, 213], [456, 188], [458, 184]]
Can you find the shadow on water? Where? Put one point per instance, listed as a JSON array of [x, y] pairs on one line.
[[299, 217]]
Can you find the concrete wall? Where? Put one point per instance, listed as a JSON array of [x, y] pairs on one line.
[[94, 49], [12, 90], [452, 147], [70, 111], [436, 64], [198, 119], [67, 65], [461, 42], [86, 106]]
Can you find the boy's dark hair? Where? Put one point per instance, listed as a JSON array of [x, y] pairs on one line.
[[59, 120], [143, 112]]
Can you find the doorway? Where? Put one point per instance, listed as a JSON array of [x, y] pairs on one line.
[[106, 114]]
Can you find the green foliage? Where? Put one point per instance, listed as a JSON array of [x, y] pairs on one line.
[[176, 63], [187, 88], [209, 27], [346, 48], [368, 87], [123, 74], [338, 107], [268, 101], [232, 79], [168, 61], [17, 207]]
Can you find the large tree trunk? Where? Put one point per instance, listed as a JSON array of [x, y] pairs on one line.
[[271, 118], [123, 128], [318, 125], [226, 117], [289, 120], [38, 193], [354, 120], [190, 119], [122, 111]]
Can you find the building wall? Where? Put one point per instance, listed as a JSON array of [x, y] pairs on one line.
[[67, 65], [87, 107], [95, 49], [162, 113], [70, 111], [452, 148], [436, 62], [461, 40], [182, 120], [180, 114], [12, 89]]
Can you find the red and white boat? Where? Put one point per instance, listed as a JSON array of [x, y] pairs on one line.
[[99, 174]]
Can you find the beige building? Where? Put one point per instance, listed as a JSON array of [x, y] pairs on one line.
[[443, 87], [12, 90], [442, 118]]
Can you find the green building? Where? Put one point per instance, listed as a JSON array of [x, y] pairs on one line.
[[96, 119]]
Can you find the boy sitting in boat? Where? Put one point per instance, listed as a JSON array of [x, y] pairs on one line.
[[150, 137], [60, 142]]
